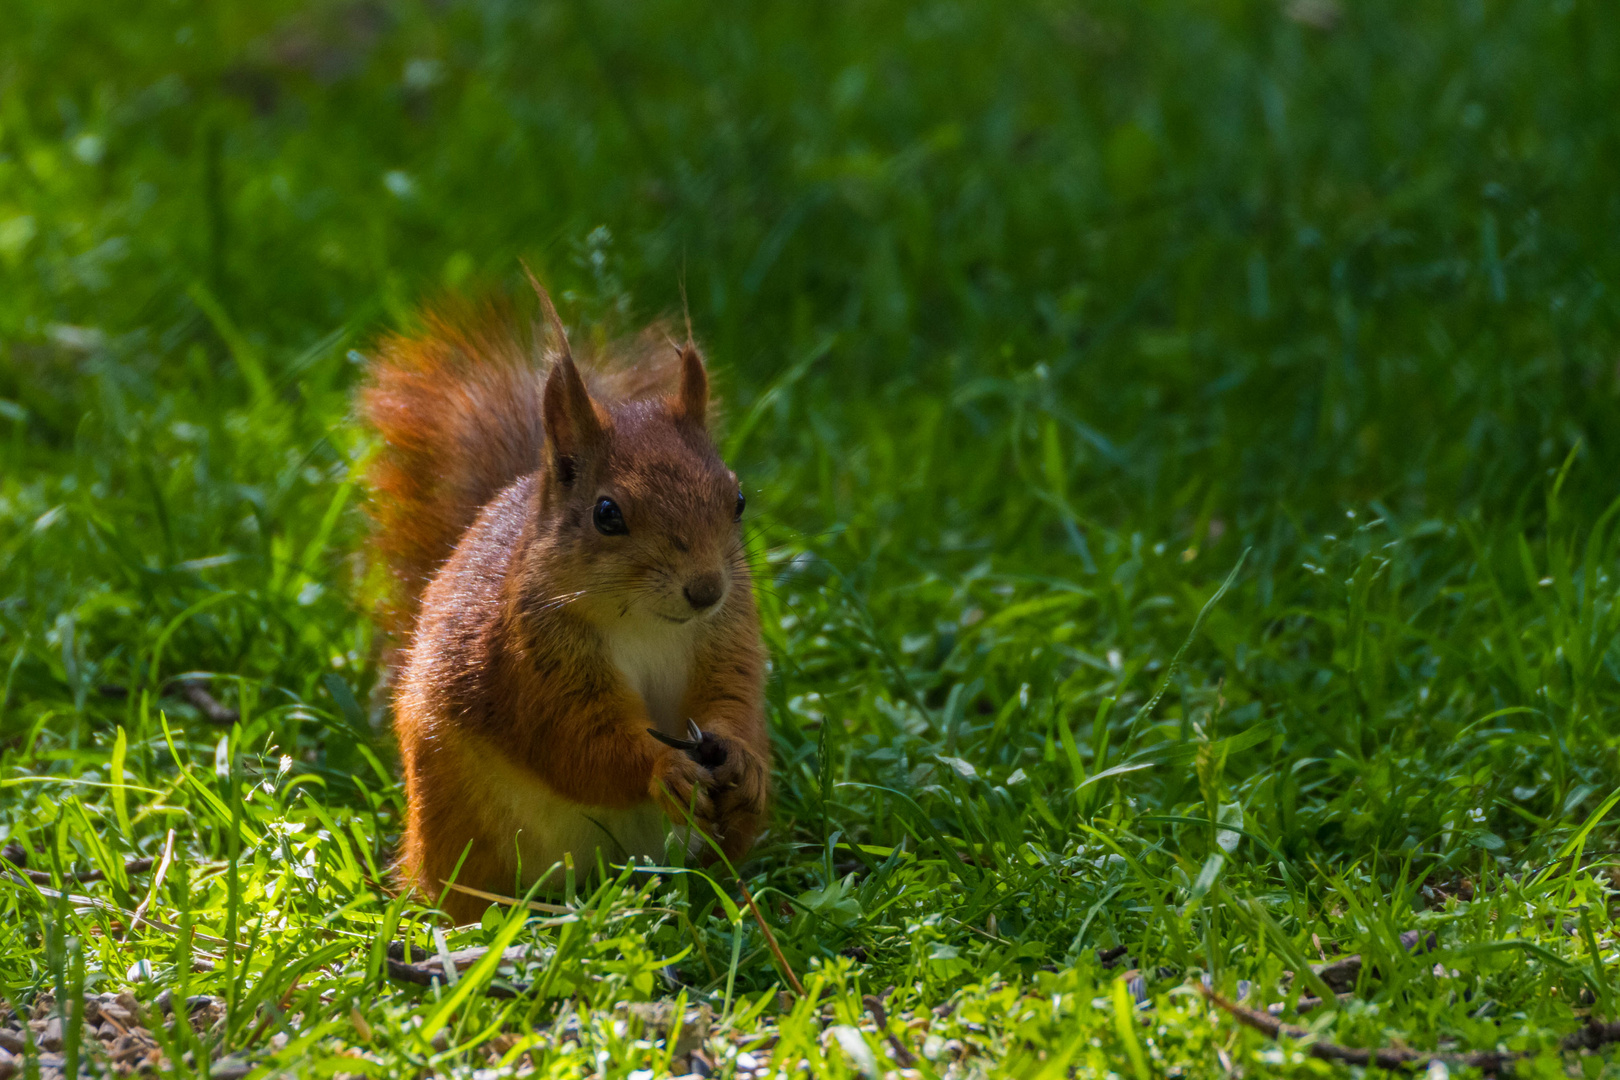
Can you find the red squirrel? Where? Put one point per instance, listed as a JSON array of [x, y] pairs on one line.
[[573, 598]]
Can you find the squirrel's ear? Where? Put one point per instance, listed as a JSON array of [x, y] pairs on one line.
[[694, 398], [572, 427]]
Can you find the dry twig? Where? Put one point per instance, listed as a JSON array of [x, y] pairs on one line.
[[770, 938], [157, 881], [43, 877], [902, 1056], [81, 901], [431, 969], [190, 691], [1491, 1062]]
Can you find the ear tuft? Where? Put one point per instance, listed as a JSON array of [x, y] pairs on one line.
[[550, 310], [693, 402]]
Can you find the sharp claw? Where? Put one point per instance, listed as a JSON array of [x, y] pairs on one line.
[[693, 732], [672, 741]]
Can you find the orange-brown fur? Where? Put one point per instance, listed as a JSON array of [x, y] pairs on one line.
[[538, 650]]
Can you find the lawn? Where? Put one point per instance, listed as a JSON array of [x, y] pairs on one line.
[[1181, 457]]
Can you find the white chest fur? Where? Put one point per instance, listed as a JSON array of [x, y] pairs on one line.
[[656, 663], [542, 826], [539, 827]]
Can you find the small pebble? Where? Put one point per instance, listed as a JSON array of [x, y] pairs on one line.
[[747, 1061], [51, 1037], [12, 1040]]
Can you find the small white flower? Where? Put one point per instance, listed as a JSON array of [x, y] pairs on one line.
[[1477, 815]]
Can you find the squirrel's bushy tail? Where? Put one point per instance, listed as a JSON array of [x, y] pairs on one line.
[[458, 410]]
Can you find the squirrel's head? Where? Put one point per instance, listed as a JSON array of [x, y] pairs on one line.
[[641, 513]]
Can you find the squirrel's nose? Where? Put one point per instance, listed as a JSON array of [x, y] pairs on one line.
[[703, 591]]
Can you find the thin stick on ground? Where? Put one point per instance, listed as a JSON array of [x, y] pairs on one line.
[[1491, 1062], [80, 901], [157, 882], [192, 691], [748, 897], [269, 1017], [903, 1056], [43, 877], [770, 938]]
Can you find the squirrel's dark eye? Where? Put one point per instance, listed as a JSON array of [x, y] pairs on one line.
[[609, 518], [741, 502]]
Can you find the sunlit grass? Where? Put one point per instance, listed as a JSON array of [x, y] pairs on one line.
[[1035, 325]]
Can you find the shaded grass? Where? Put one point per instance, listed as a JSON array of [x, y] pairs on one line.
[[1035, 322]]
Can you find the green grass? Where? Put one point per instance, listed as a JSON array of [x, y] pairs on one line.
[[1036, 321]]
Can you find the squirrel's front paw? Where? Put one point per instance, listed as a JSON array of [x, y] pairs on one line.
[[680, 786], [741, 784]]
